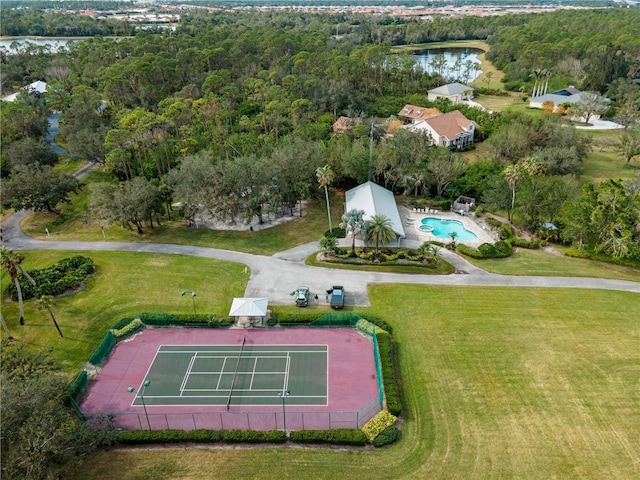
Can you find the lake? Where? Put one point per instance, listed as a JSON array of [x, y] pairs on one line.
[[11, 43], [460, 64]]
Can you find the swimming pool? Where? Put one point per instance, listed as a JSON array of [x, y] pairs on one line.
[[443, 228]]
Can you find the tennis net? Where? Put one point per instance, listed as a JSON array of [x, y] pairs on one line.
[[235, 373]]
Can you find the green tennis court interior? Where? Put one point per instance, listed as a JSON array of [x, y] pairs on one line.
[[236, 375]]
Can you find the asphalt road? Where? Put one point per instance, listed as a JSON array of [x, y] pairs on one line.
[[274, 277]]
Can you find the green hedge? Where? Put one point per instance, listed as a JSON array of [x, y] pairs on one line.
[[493, 222], [63, 275], [104, 349], [379, 323], [79, 385], [130, 328], [391, 392], [388, 436], [336, 232], [340, 436], [499, 249], [162, 319], [378, 424], [137, 437], [522, 243]]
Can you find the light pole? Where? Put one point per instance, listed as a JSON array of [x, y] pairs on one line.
[[144, 387], [193, 298], [283, 395]]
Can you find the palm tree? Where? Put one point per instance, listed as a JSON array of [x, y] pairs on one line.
[[536, 75], [10, 260], [489, 75], [45, 302], [453, 236], [353, 222], [512, 174], [5, 328], [325, 177], [379, 231]]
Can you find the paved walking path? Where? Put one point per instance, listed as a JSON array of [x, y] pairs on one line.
[[274, 277]]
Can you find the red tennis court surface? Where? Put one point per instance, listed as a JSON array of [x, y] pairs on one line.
[[351, 385]]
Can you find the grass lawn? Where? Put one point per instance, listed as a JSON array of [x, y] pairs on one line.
[[124, 284], [68, 165], [539, 262], [498, 382]]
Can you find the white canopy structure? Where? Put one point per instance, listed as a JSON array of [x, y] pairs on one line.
[[249, 307], [249, 311], [375, 200]]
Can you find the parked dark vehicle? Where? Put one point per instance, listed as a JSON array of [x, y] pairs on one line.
[[302, 296], [337, 297]]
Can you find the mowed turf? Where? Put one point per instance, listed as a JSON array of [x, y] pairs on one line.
[[124, 284], [510, 383]]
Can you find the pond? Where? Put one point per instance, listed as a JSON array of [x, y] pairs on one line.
[[460, 64], [14, 44]]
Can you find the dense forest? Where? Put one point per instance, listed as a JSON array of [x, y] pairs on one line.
[[232, 114]]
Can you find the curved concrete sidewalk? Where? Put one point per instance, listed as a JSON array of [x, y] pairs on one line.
[[276, 276]]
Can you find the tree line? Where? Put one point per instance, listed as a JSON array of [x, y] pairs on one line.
[[232, 115]]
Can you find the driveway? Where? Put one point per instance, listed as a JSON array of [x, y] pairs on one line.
[[274, 277]]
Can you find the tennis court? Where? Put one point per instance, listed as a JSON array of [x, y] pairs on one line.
[[221, 379], [237, 375]]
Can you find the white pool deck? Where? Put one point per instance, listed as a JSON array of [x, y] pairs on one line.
[[411, 221]]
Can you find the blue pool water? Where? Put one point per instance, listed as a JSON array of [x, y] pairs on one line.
[[442, 228]]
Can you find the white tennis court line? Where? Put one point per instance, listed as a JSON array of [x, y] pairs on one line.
[[268, 355], [253, 373], [187, 373], [263, 353], [220, 377]]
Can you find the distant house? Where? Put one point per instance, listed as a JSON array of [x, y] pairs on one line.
[[454, 92], [451, 129], [569, 95], [35, 87], [566, 96], [414, 114], [375, 200], [345, 123]]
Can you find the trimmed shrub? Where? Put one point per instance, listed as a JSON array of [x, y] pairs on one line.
[[133, 326], [341, 436], [378, 322], [503, 249], [336, 232], [377, 424], [133, 437], [63, 275], [122, 323], [391, 393], [522, 243], [493, 222], [499, 249], [162, 319], [505, 232], [388, 436], [471, 252], [79, 385], [365, 326]]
